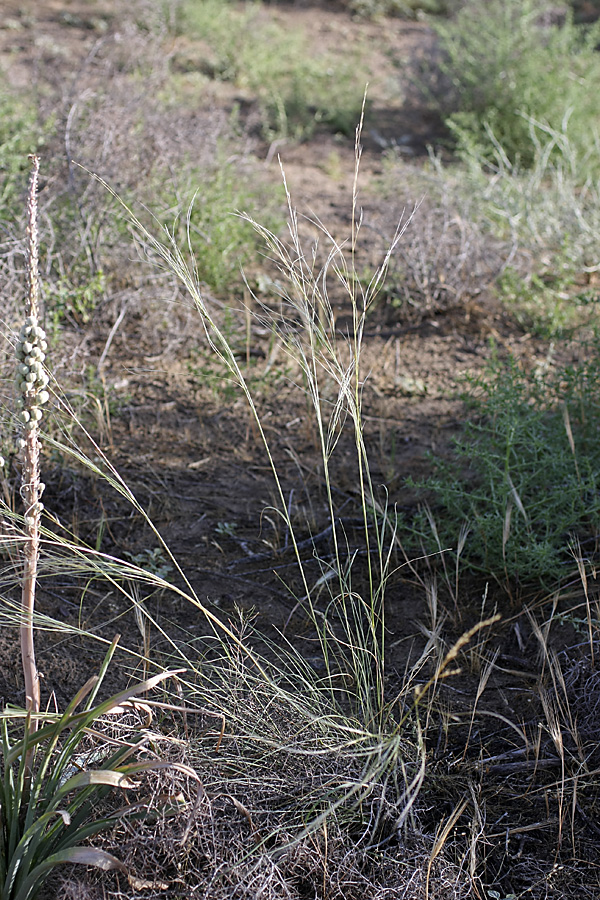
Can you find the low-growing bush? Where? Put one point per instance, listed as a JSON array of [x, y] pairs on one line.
[[512, 69], [530, 234], [450, 253], [20, 134], [524, 474], [222, 241]]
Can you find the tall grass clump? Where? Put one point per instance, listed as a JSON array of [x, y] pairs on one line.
[[359, 743], [523, 477], [304, 320], [306, 752], [509, 69]]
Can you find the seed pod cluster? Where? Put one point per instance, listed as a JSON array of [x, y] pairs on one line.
[[31, 377], [31, 381]]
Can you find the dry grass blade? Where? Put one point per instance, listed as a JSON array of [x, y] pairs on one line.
[[441, 838]]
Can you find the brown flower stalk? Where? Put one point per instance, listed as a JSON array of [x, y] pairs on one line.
[[31, 383]]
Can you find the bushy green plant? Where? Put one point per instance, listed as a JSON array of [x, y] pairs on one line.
[[74, 298], [551, 306], [296, 90], [511, 70], [220, 239], [524, 473]]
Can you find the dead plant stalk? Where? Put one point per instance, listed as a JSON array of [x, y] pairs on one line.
[[30, 485]]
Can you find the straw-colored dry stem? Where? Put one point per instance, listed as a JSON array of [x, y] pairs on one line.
[[29, 493], [30, 487]]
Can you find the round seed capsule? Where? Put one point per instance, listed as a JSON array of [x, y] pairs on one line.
[[38, 332], [24, 416], [37, 367], [20, 444], [31, 320], [30, 520], [24, 386], [36, 414], [44, 379], [43, 397], [30, 377], [30, 425], [23, 369], [26, 346], [43, 345]]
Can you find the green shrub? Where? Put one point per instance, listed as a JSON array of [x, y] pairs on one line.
[[295, 89], [221, 240], [525, 474], [512, 72], [551, 305], [74, 298]]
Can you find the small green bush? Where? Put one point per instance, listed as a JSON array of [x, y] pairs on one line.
[[525, 474], [511, 72], [552, 305], [295, 89], [222, 242], [74, 298]]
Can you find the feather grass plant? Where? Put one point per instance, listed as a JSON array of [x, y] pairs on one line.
[[367, 746], [315, 346]]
